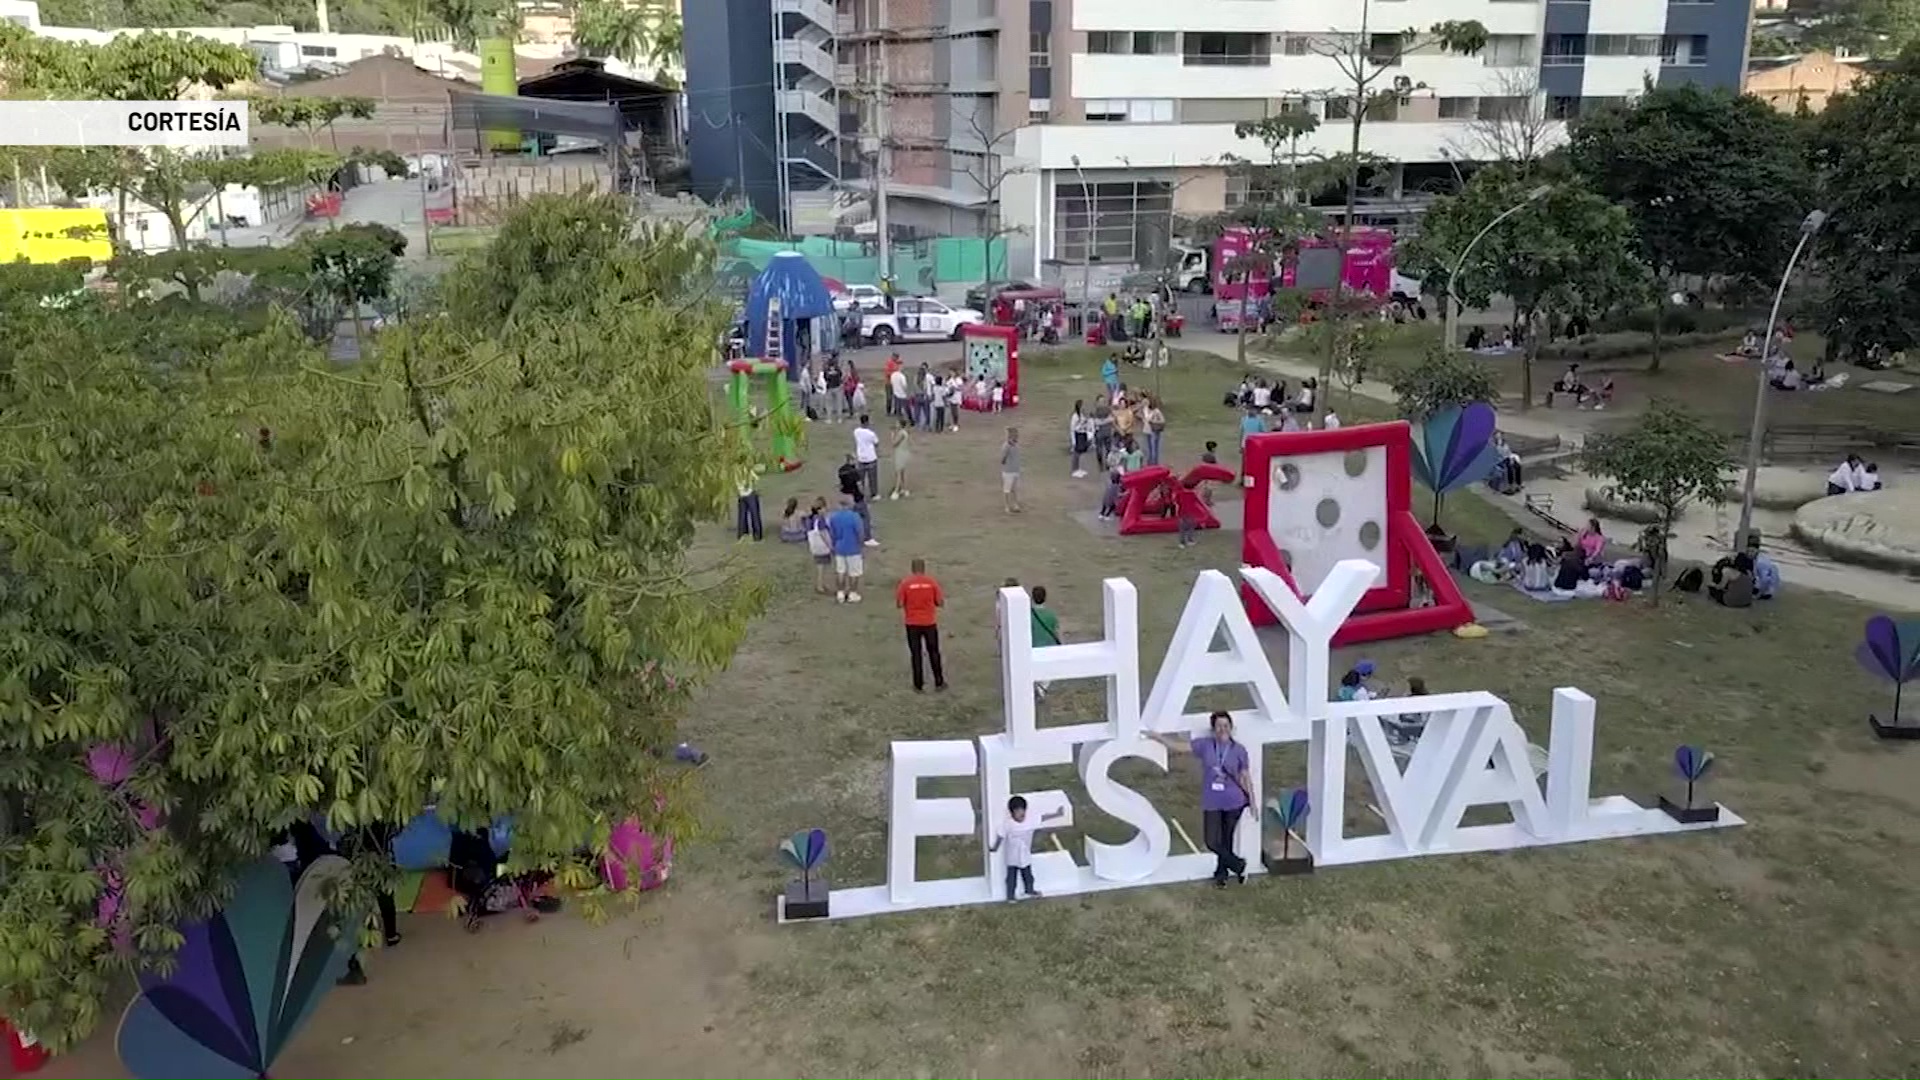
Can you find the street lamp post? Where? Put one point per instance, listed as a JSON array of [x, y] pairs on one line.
[[1808, 228], [1086, 252], [1532, 197]]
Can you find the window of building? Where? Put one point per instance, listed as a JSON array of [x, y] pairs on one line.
[[1385, 50], [1563, 49], [1113, 221], [1502, 108], [1508, 50], [1130, 42], [1297, 44], [1562, 107], [1037, 115], [1227, 50], [1237, 189], [1623, 45], [1684, 50], [1339, 108], [1222, 110], [319, 50], [1130, 111], [1458, 108], [1039, 49]]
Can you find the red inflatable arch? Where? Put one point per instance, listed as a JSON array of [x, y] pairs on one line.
[[1399, 548], [1153, 498]]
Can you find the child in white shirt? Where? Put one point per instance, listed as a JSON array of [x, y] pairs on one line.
[[999, 396], [980, 391], [1017, 834], [956, 393]]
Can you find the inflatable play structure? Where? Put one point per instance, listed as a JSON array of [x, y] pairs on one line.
[[1152, 499], [990, 354], [776, 418], [782, 300], [1317, 498]]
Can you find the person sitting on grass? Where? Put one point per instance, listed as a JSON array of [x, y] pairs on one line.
[[1733, 586], [1407, 728], [793, 525], [1592, 543], [1537, 574]]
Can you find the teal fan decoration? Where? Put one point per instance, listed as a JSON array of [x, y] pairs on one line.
[[805, 851], [1289, 810]]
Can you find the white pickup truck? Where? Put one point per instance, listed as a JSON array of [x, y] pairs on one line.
[[917, 318]]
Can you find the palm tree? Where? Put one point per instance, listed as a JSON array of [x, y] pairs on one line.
[[609, 29]]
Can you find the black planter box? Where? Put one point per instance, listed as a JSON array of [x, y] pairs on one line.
[[1297, 864], [806, 901], [1894, 730], [1690, 815]]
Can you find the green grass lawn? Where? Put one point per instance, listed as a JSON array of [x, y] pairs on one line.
[[1786, 948]]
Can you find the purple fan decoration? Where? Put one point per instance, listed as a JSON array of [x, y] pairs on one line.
[[1454, 449], [1693, 764], [1891, 651]]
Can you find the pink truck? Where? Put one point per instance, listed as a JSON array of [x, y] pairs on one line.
[[1368, 269]]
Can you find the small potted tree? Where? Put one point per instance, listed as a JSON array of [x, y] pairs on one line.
[[1669, 460]]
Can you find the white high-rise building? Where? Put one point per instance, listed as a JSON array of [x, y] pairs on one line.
[[1093, 126]]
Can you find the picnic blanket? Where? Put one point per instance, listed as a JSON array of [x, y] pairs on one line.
[[1545, 596]]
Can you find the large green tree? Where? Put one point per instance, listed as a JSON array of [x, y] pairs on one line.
[[456, 573], [1568, 250], [1717, 183], [1867, 151]]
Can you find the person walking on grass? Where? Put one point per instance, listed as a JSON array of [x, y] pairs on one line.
[[848, 533], [866, 454], [920, 600], [819, 545], [853, 487], [1046, 631], [902, 458], [1155, 422], [1010, 470], [1017, 834]]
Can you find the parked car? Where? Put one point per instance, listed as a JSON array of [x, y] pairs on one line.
[[918, 318], [862, 297], [980, 296]]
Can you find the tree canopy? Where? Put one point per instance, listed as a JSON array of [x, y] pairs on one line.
[[457, 573], [1867, 151], [1567, 250], [1716, 182]]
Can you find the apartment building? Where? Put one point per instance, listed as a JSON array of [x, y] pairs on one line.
[[797, 102], [1095, 126]]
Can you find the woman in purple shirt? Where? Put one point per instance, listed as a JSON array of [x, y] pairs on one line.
[[1226, 789]]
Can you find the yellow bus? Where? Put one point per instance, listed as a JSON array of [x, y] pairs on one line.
[[53, 235]]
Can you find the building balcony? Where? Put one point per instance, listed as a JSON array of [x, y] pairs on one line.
[[808, 155], [806, 54], [814, 106], [818, 12]]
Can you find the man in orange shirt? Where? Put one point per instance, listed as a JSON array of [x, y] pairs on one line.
[[920, 600]]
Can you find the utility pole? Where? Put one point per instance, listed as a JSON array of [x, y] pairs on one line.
[[882, 158]]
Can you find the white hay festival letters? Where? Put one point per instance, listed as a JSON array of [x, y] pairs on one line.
[[1472, 753]]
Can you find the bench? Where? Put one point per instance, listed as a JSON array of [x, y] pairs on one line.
[[1540, 505], [1824, 441]]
